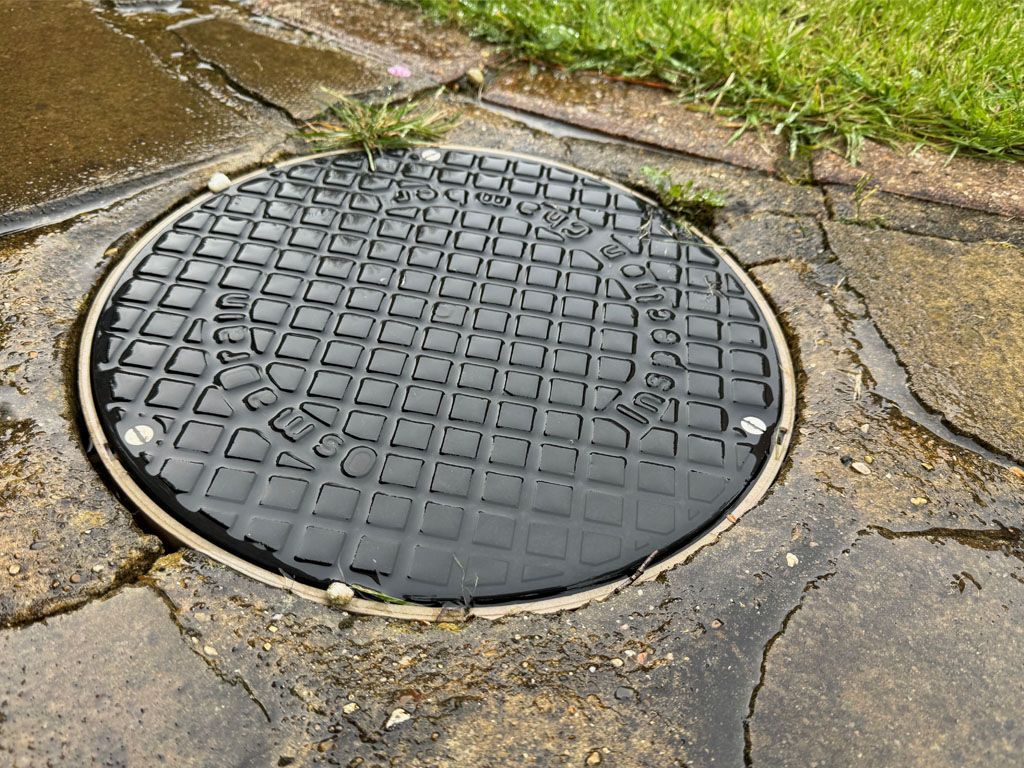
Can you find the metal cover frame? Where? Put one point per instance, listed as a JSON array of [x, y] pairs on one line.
[[185, 536]]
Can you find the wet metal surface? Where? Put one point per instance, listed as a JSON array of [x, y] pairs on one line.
[[458, 377]]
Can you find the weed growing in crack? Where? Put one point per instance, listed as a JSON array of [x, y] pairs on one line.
[[349, 122], [684, 199]]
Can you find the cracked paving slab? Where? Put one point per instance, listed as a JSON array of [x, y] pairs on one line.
[[101, 113], [115, 683], [285, 70], [954, 316], [661, 674], [387, 33], [912, 630]]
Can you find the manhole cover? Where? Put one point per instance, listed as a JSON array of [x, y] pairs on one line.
[[464, 377]]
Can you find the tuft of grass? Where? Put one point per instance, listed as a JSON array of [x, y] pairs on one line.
[[946, 73], [684, 199], [386, 125]]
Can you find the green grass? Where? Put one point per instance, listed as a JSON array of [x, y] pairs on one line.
[[947, 73], [684, 199], [352, 123]]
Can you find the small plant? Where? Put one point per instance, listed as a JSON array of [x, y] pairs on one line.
[[684, 199], [352, 123], [864, 190]]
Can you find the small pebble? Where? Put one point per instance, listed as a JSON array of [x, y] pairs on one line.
[[860, 466], [397, 717], [75, 578], [792, 560], [349, 708], [267, 646], [918, 501], [594, 758], [617, 663], [339, 594], [475, 76], [218, 182], [209, 650], [272, 628], [716, 624], [622, 693], [14, 570], [97, 568]]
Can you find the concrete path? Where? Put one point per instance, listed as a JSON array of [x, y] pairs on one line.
[[850, 619]]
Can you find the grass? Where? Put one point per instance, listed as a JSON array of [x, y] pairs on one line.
[[684, 199], [945, 73], [385, 125]]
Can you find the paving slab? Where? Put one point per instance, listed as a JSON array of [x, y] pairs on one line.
[[970, 182], [288, 70], [920, 669], [116, 683], [102, 112], [874, 208], [953, 314], [636, 112], [760, 237], [388, 34]]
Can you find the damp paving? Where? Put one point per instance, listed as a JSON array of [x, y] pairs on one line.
[[844, 609], [103, 112], [445, 375]]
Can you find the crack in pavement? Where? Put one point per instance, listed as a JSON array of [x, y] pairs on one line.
[[187, 634]]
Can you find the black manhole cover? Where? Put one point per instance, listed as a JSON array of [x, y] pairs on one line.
[[463, 377]]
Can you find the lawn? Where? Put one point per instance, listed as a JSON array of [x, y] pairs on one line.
[[948, 73]]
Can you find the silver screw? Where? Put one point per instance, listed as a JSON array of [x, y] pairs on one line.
[[753, 425], [431, 155], [140, 434]]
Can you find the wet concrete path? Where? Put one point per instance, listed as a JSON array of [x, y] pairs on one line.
[[848, 619]]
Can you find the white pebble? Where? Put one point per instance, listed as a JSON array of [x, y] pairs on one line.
[[398, 717], [339, 594], [218, 182]]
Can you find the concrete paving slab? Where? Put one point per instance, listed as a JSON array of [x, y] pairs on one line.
[[874, 208], [969, 182], [953, 314], [921, 671], [760, 237], [287, 70], [388, 34], [634, 112], [117, 683], [100, 113]]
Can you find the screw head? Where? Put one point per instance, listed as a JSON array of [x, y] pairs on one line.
[[752, 425], [140, 434]]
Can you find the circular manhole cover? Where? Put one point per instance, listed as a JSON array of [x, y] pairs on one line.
[[462, 377]]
